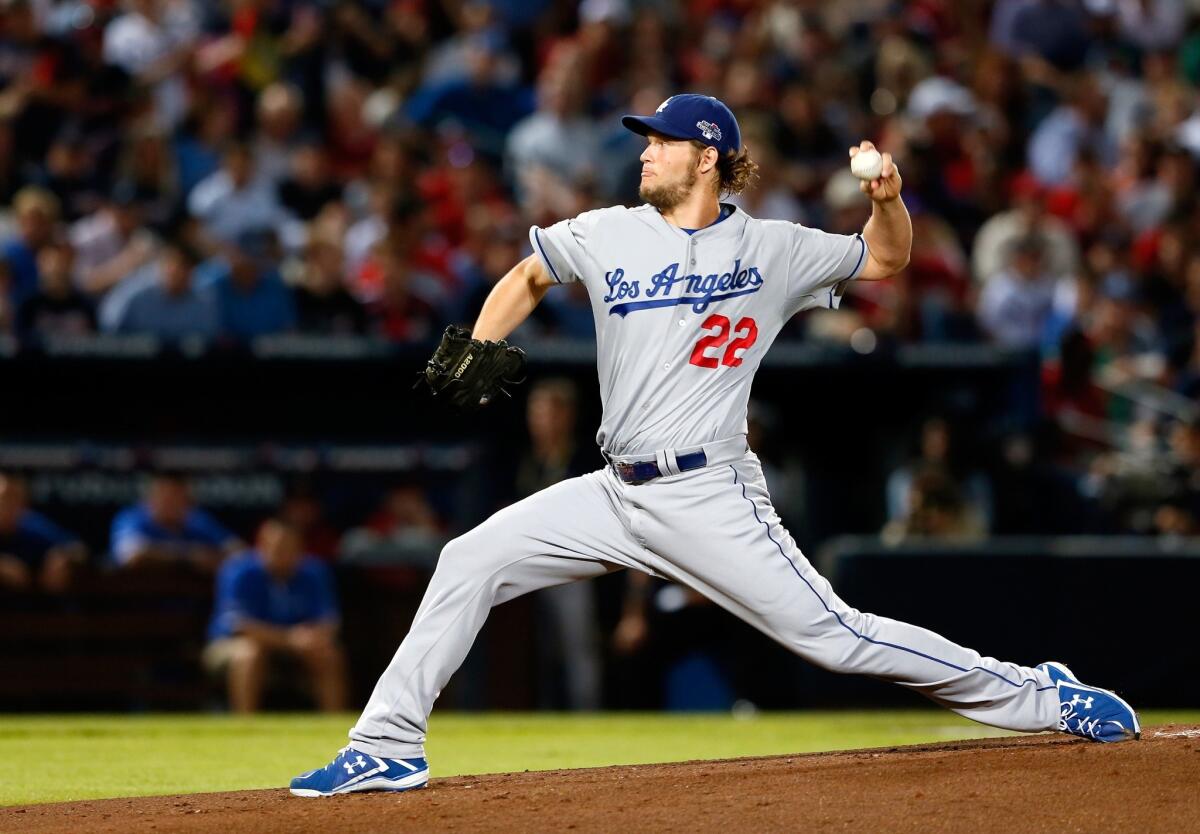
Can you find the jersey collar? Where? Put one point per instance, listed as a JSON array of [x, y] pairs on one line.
[[727, 210]]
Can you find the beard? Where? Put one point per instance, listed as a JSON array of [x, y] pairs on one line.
[[667, 196]]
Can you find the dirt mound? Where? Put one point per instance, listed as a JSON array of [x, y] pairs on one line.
[[1033, 783]]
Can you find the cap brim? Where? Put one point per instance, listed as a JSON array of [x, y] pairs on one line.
[[642, 125]]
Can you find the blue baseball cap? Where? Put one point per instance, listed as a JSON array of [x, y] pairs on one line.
[[690, 116]]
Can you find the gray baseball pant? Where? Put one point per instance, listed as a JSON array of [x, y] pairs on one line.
[[712, 529]]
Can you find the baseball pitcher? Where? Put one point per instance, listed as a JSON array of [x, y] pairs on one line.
[[688, 293]]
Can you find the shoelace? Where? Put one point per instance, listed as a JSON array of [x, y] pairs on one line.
[[333, 763], [1084, 726]]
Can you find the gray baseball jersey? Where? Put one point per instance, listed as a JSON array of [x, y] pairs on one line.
[[683, 320], [682, 324]]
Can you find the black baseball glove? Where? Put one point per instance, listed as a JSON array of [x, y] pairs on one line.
[[470, 373]]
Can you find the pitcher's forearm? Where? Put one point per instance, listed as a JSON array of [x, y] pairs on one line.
[[889, 234], [509, 303]]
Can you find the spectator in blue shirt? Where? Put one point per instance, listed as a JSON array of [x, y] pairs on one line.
[[33, 549], [250, 297], [1073, 129], [168, 527], [37, 211], [167, 304], [236, 199], [483, 105], [276, 603]]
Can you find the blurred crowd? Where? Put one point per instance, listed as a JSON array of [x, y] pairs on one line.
[[229, 169], [237, 168]]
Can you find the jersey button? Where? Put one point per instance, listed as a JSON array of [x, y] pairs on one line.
[[682, 322], [667, 366]]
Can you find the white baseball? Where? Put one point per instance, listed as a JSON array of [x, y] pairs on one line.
[[866, 165]]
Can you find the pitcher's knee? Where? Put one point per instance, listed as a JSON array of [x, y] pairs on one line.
[[470, 556], [452, 564], [454, 550], [835, 643]]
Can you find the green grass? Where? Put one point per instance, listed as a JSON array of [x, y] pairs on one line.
[[57, 758]]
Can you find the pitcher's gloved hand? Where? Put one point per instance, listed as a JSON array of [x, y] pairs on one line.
[[470, 373]]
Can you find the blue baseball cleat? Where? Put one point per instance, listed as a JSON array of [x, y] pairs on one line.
[[354, 771], [1091, 713]]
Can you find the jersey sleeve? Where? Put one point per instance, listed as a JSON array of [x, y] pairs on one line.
[[561, 248], [821, 262]]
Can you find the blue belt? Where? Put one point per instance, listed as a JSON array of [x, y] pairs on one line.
[[643, 471]]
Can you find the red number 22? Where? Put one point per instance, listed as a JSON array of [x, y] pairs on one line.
[[731, 357]]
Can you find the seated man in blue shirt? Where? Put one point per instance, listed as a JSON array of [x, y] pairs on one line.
[[244, 284], [33, 549], [163, 301], [168, 527], [275, 602]]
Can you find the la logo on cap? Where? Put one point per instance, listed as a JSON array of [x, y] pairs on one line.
[[663, 106]]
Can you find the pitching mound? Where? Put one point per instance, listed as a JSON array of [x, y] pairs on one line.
[[1035, 783]]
